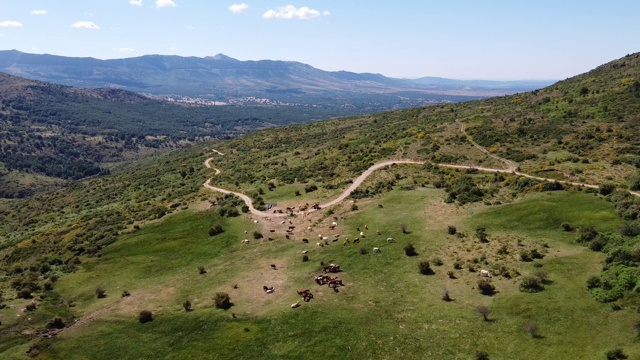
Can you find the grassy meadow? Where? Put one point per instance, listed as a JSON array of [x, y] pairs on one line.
[[387, 309]]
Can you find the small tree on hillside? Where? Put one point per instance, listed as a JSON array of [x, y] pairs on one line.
[[187, 305], [484, 311], [222, 300], [410, 250], [425, 268], [145, 316], [532, 329], [101, 293], [481, 234], [486, 287]]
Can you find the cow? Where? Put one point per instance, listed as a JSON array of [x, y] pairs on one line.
[[361, 233], [390, 240], [245, 241], [485, 273], [296, 305], [356, 240], [378, 232], [306, 241], [320, 244], [305, 251], [346, 241], [376, 250]]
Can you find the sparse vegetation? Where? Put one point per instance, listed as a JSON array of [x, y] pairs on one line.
[[425, 268], [101, 293]]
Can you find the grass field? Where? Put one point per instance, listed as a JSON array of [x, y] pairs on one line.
[[387, 310]]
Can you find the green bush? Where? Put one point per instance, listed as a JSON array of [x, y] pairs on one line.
[[145, 316], [425, 268], [531, 284], [485, 287]]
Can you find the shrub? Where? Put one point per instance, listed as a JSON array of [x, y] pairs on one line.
[[486, 287], [24, 293], [616, 354], [482, 355], [606, 189], [354, 207], [566, 227], [101, 293], [202, 270], [363, 251], [531, 284], [403, 228], [187, 305], [458, 265], [217, 229], [437, 261], [451, 230], [32, 306], [481, 234], [525, 255], [425, 268], [222, 300], [451, 274], [503, 250], [305, 258], [125, 293], [410, 250], [543, 277], [586, 234], [145, 316], [56, 323], [257, 235]]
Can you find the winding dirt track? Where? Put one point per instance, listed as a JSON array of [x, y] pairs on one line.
[[511, 168]]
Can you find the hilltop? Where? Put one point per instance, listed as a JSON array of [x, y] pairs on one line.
[[151, 237]]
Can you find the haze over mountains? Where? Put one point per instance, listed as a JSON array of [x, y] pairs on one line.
[[223, 79]]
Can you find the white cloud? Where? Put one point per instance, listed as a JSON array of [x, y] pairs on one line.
[[10, 23], [238, 8], [85, 25], [189, 27], [173, 49], [38, 12], [136, 2], [326, 13], [291, 12], [124, 49], [165, 3], [1, 35]]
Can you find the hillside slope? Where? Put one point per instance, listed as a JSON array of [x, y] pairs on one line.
[[553, 255]]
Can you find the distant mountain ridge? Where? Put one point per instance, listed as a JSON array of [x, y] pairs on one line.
[[222, 78]]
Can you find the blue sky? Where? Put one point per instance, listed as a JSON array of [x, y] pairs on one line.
[[461, 39]]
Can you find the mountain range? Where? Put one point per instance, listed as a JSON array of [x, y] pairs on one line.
[[224, 79]]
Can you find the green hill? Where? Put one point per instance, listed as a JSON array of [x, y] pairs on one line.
[[563, 259]]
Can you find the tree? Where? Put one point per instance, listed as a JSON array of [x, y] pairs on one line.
[[222, 300], [486, 287], [216, 230], [531, 284], [451, 230], [484, 311], [481, 234], [101, 293], [187, 305], [445, 295], [425, 268], [616, 354], [410, 250], [202, 270], [145, 316], [403, 227]]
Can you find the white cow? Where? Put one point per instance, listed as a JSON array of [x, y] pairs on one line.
[[320, 244], [485, 273], [245, 241], [376, 250], [297, 304], [305, 251], [391, 240]]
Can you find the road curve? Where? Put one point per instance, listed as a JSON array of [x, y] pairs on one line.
[[511, 169]]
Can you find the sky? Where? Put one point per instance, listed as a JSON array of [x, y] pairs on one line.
[[458, 39]]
